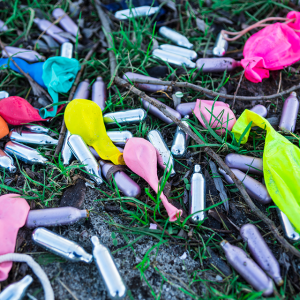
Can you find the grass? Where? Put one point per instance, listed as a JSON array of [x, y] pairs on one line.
[[133, 42]]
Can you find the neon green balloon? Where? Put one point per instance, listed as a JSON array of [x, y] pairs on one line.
[[281, 165]]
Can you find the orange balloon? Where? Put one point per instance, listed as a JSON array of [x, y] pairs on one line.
[[3, 128]]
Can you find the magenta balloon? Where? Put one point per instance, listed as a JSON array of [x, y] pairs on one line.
[[141, 158]]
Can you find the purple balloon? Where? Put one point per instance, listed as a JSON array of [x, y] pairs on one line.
[[243, 163], [99, 92], [253, 187], [261, 252], [186, 108], [124, 183], [144, 86], [156, 112], [247, 268], [54, 216], [260, 110]]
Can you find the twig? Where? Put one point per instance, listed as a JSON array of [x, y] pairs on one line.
[[238, 87], [107, 31], [209, 92], [121, 82], [65, 286], [71, 95], [279, 86], [33, 83]]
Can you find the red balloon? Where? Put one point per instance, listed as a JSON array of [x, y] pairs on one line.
[[17, 111]]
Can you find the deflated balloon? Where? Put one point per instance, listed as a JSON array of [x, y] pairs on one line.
[[141, 158], [84, 118]]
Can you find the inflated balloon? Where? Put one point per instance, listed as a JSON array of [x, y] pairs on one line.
[[13, 214], [84, 117], [34, 70], [141, 158], [216, 113], [17, 111], [272, 48], [3, 128], [58, 74], [281, 165]]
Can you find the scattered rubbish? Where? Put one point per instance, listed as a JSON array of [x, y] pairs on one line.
[[125, 117], [260, 110], [221, 45], [99, 92], [288, 229], [83, 90], [197, 196], [153, 226], [135, 12], [7, 162], [108, 270], [173, 59], [261, 252], [141, 157], [247, 268], [66, 152], [36, 128], [83, 154], [183, 256], [180, 141], [190, 54], [186, 108], [16, 291], [253, 187], [54, 216], [119, 137], [13, 214], [66, 50], [164, 155], [24, 153], [289, 113], [32, 138], [175, 37], [84, 118], [157, 113], [217, 65], [4, 130], [60, 246], [4, 94], [28, 55]]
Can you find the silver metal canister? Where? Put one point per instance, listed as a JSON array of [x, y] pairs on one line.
[[132, 116], [7, 162], [181, 141], [66, 50], [190, 54], [288, 228], [119, 137], [221, 46], [17, 291], [175, 37]]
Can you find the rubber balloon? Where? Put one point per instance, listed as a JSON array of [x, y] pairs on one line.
[[84, 118], [3, 128], [140, 157], [17, 111], [13, 214]]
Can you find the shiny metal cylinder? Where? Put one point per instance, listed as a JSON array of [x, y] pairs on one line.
[[247, 268], [244, 163], [66, 152], [190, 54], [164, 155], [66, 22], [217, 65], [82, 91], [181, 141], [253, 187], [58, 216], [124, 183], [289, 113], [107, 268], [24, 153], [83, 154], [145, 86], [136, 12], [119, 137], [66, 50], [4, 94], [7, 162], [221, 45], [288, 228], [32, 138], [197, 196], [60, 246], [260, 110], [175, 37], [99, 92], [186, 108], [173, 59], [36, 128], [125, 117], [25, 54], [17, 290], [156, 112]]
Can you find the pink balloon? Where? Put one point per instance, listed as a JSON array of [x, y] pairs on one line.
[[216, 114], [141, 158], [13, 214], [272, 48]]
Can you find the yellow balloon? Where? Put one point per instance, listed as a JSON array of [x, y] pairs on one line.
[[84, 117]]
